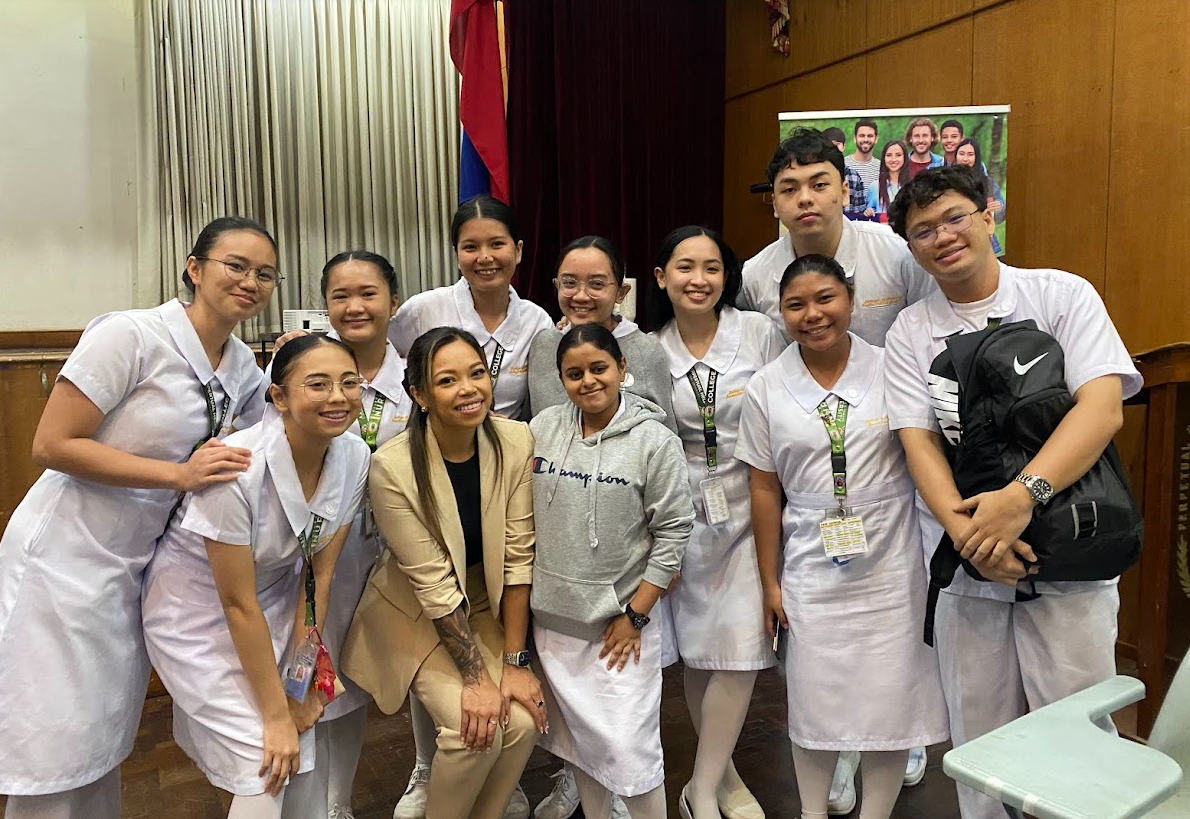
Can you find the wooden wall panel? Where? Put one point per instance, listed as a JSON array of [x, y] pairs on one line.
[[25, 381], [889, 21], [825, 31], [1148, 243], [1058, 129], [931, 69], [752, 62]]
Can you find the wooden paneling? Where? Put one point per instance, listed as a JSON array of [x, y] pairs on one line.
[[39, 339], [25, 382], [751, 136], [889, 21], [825, 31], [932, 69], [1148, 243], [752, 62], [1130, 441], [1058, 129]]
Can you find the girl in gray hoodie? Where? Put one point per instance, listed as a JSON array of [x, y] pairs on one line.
[[613, 512]]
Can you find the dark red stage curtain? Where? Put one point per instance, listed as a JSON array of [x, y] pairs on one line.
[[615, 126]]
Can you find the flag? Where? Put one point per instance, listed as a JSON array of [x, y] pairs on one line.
[[475, 50]]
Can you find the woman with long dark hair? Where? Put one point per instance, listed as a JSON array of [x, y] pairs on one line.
[[894, 172]]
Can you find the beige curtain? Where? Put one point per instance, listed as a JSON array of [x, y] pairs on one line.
[[333, 122]]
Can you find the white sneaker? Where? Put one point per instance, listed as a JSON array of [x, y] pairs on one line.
[[915, 771], [563, 799], [518, 805], [340, 812], [842, 797], [413, 804], [618, 809]]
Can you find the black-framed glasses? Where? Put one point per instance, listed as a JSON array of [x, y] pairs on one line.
[[237, 271], [321, 389], [927, 235]]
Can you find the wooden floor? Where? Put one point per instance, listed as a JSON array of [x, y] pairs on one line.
[[159, 781]]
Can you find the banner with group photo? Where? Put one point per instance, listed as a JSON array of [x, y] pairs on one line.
[[886, 147]]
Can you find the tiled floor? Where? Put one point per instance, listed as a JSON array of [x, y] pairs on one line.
[[159, 781]]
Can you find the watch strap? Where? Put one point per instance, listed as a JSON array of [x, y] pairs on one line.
[[639, 621], [519, 659]]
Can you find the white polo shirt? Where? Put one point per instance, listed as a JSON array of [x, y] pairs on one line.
[[453, 307], [875, 259], [1064, 305]]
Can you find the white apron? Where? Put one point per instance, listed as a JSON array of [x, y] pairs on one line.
[[608, 723], [364, 545], [717, 606], [216, 719], [858, 675], [73, 669]]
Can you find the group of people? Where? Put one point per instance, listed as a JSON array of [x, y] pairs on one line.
[[517, 524]]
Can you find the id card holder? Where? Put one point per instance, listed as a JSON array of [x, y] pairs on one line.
[[303, 668], [714, 500], [843, 536]]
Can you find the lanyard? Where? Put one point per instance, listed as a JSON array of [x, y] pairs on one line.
[[497, 359], [307, 544], [369, 423], [214, 421], [994, 322], [706, 408], [836, 428]]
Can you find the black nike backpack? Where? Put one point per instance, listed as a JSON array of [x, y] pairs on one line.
[[1011, 397]]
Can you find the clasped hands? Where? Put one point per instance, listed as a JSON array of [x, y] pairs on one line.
[[990, 536]]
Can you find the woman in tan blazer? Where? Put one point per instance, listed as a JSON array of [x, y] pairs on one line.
[[445, 614]]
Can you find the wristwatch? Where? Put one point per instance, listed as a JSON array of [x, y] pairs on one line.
[[520, 659], [1038, 487], [637, 619]]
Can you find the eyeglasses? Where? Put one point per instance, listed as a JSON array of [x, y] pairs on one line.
[[595, 287], [266, 277], [321, 389], [928, 234]]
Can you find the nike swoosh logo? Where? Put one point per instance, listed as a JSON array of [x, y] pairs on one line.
[[1021, 369]]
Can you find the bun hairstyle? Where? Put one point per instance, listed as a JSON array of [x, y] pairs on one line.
[[815, 263], [288, 355], [210, 234], [594, 334], [383, 266], [601, 244], [419, 371], [483, 207]]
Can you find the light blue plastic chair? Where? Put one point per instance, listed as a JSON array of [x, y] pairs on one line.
[[1056, 764]]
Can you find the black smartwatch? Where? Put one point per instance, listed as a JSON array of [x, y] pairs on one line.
[[637, 619]]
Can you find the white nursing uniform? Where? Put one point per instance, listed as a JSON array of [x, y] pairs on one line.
[[1000, 658], [717, 606], [858, 676], [73, 669], [876, 260], [216, 719], [364, 544], [453, 307]]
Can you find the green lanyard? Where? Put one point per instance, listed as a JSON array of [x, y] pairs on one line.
[[307, 543], [369, 424], [706, 408], [836, 428], [497, 360], [994, 322]]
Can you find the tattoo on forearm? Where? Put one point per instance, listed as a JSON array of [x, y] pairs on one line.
[[455, 634]]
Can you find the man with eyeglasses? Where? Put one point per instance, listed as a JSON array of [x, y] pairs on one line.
[[1001, 658]]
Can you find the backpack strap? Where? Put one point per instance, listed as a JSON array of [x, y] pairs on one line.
[[943, 566]]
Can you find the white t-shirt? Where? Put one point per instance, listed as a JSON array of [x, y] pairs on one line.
[[453, 307], [878, 261], [1064, 305]]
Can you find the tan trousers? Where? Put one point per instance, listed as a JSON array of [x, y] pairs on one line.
[[464, 784]]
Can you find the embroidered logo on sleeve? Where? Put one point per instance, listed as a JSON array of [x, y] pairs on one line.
[[884, 302]]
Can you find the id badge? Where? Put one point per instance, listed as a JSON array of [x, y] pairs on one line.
[[843, 536], [301, 671], [714, 500]]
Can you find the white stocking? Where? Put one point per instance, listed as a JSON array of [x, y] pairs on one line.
[[346, 741], [649, 805], [718, 702], [883, 774], [595, 799], [425, 733], [260, 806], [814, 770]]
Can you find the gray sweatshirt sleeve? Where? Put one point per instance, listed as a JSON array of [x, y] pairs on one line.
[[545, 388], [669, 509]]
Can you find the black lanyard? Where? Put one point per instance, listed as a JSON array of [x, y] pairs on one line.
[[836, 429], [706, 408], [369, 423], [497, 359], [214, 421], [307, 543]]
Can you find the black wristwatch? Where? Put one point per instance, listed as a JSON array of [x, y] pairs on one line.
[[518, 659], [637, 619]]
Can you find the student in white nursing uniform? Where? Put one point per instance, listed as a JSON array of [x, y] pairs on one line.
[[612, 508], [851, 584], [713, 350], [117, 440], [225, 596], [360, 291], [809, 193], [1001, 658], [487, 243], [590, 283]]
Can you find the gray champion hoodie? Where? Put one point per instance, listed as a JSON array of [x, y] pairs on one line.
[[611, 510]]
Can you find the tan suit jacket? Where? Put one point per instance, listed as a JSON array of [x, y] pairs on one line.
[[418, 581]]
